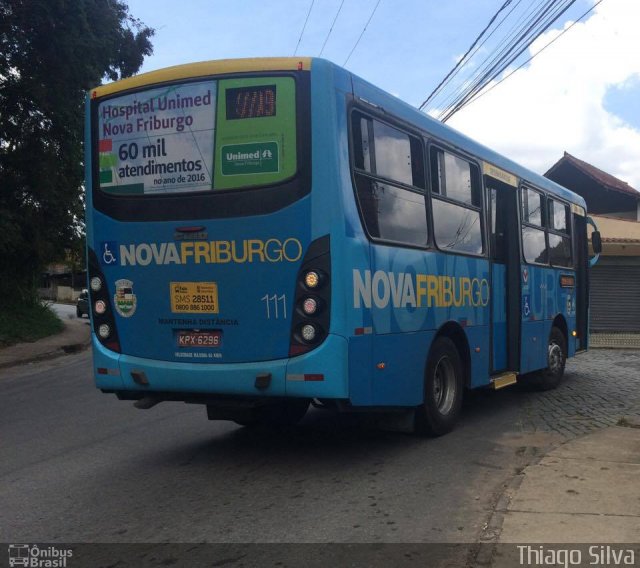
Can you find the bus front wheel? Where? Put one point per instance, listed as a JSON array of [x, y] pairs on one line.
[[550, 377], [443, 389]]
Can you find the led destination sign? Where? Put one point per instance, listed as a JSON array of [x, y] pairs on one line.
[[251, 102]]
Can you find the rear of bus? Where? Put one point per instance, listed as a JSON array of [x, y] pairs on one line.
[[208, 281]]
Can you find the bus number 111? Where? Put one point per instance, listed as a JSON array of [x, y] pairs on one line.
[[272, 303]]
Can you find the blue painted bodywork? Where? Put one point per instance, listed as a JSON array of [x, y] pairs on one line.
[[544, 300], [360, 337]]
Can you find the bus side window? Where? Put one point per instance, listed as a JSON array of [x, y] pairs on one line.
[[456, 201], [559, 219], [559, 233], [389, 176], [398, 156], [361, 143], [534, 243]]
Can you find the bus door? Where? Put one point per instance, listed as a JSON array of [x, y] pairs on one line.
[[505, 276], [581, 258]]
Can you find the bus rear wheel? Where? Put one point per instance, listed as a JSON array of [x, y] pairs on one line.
[[550, 377], [443, 389]]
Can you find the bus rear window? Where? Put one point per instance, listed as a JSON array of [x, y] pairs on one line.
[[197, 136]]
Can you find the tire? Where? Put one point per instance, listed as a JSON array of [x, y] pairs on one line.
[[281, 415], [78, 313], [443, 390], [550, 377]]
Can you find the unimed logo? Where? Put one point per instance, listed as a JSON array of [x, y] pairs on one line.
[[32, 555]]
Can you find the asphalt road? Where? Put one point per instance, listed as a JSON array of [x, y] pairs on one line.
[[80, 466]]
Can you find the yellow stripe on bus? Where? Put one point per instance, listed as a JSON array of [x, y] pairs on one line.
[[499, 174], [578, 210], [203, 69]]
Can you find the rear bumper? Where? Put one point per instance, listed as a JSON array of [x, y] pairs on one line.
[[113, 373]]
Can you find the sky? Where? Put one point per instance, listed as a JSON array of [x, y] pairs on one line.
[[580, 95]]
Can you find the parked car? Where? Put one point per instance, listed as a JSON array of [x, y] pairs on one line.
[[82, 305]]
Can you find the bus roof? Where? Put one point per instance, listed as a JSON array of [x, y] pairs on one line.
[[397, 107], [202, 69], [362, 89]]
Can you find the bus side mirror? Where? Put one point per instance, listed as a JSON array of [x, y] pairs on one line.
[[596, 242]]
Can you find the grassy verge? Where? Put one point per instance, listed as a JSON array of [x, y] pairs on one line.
[[27, 323]]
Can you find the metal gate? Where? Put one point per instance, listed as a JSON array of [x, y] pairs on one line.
[[615, 298]]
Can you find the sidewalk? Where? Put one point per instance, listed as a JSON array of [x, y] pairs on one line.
[[75, 337], [583, 492]]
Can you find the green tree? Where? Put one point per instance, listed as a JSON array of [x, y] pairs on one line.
[[51, 53]]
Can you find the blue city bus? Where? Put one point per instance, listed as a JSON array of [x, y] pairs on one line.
[[268, 233]]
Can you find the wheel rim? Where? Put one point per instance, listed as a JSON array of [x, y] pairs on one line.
[[444, 385], [555, 358]]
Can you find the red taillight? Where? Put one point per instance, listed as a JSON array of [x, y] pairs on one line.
[[295, 349], [310, 321], [113, 345], [103, 322], [313, 377], [310, 306]]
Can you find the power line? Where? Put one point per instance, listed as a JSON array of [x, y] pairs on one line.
[[361, 34], [477, 47], [475, 98], [326, 39], [508, 39], [502, 64], [513, 45], [303, 27], [543, 19], [516, 36], [504, 57], [462, 59]]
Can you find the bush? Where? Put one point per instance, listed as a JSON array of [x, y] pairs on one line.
[[27, 322]]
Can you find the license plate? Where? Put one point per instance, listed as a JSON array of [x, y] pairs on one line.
[[199, 338], [194, 297]]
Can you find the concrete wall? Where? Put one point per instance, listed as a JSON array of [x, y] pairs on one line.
[[67, 294], [59, 294]]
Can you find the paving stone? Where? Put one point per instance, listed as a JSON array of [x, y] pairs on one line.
[[600, 388]]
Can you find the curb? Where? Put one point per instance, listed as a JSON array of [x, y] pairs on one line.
[[483, 550], [68, 349]]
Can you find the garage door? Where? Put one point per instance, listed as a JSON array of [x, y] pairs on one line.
[[615, 298]]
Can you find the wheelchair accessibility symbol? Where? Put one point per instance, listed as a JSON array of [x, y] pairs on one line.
[[108, 252], [526, 308]]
